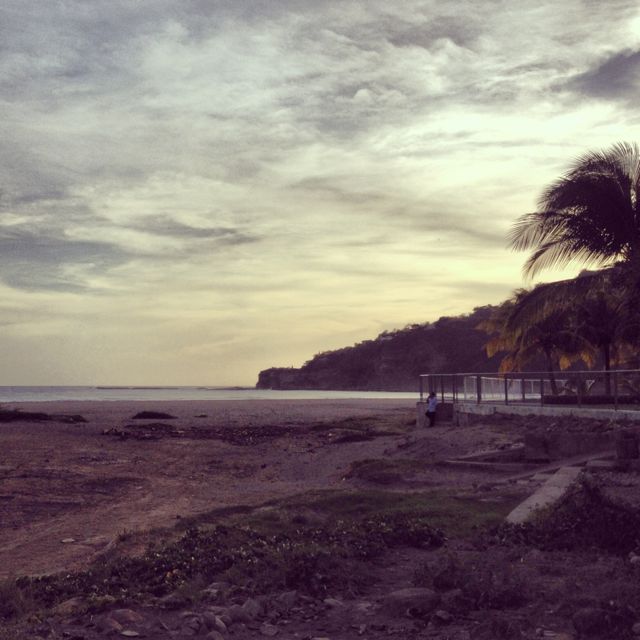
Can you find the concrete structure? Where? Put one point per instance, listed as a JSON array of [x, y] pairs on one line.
[[550, 492], [462, 409]]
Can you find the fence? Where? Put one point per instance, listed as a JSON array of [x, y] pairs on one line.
[[601, 388]]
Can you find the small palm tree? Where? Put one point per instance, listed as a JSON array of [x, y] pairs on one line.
[[591, 214], [523, 339]]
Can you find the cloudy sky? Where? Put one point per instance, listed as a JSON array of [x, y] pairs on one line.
[[194, 190]]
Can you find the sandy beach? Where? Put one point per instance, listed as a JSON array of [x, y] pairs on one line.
[[74, 491], [62, 481]]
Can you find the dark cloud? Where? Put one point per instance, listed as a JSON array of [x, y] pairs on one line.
[[164, 226], [46, 259], [464, 32], [617, 78], [37, 261]]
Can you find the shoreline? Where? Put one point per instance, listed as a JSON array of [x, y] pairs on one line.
[[178, 394]]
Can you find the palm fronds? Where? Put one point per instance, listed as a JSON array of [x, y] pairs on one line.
[[590, 214]]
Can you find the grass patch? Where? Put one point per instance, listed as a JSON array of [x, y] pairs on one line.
[[273, 548], [373, 425], [382, 471], [456, 516]]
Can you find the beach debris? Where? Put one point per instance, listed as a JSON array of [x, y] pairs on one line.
[[67, 540], [340, 437], [151, 431]]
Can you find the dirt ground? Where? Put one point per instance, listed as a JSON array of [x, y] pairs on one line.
[[69, 491]]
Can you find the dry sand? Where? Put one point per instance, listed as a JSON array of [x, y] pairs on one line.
[[63, 481], [69, 481]]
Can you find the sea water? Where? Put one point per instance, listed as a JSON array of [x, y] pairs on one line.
[[106, 393]]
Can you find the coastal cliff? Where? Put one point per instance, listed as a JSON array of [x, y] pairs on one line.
[[394, 360]]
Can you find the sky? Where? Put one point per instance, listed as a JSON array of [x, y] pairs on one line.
[[195, 190]]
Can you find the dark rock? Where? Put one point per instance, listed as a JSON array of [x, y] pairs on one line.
[[213, 622], [253, 608], [70, 607], [238, 614], [287, 599], [109, 625], [173, 601], [442, 617], [412, 602], [269, 630], [153, 415], [126, 616]]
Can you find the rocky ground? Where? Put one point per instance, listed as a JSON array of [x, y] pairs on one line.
[[301, 520]]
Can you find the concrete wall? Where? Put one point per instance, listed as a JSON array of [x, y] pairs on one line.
[[465, 409], [544, 447], [444, 413]]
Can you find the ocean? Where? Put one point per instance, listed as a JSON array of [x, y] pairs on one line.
[[107, 393]]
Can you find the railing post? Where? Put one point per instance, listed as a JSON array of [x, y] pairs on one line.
[[579, 389], [524, 393], [506, 390], [442, 386], [615, 390], [479, 389], [542, 392], [421, 388]]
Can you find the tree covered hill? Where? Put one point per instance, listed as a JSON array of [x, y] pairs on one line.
[[395, 359]]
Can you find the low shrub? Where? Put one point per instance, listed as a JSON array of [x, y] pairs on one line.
[[584, 518], [485, 583], [314, 560]]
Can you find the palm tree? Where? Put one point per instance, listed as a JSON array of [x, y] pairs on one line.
[[523, 339], [591, 214]]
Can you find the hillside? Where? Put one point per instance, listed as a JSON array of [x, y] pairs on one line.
[[394, 360]]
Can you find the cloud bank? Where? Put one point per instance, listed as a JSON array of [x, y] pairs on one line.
[[192, 191]]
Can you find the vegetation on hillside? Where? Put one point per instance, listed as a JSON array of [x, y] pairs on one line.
[[395, 359]]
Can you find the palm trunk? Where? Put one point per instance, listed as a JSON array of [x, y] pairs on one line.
[[606, 352], [552, 376]]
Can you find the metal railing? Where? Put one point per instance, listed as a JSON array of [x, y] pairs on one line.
[[589, 388]]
